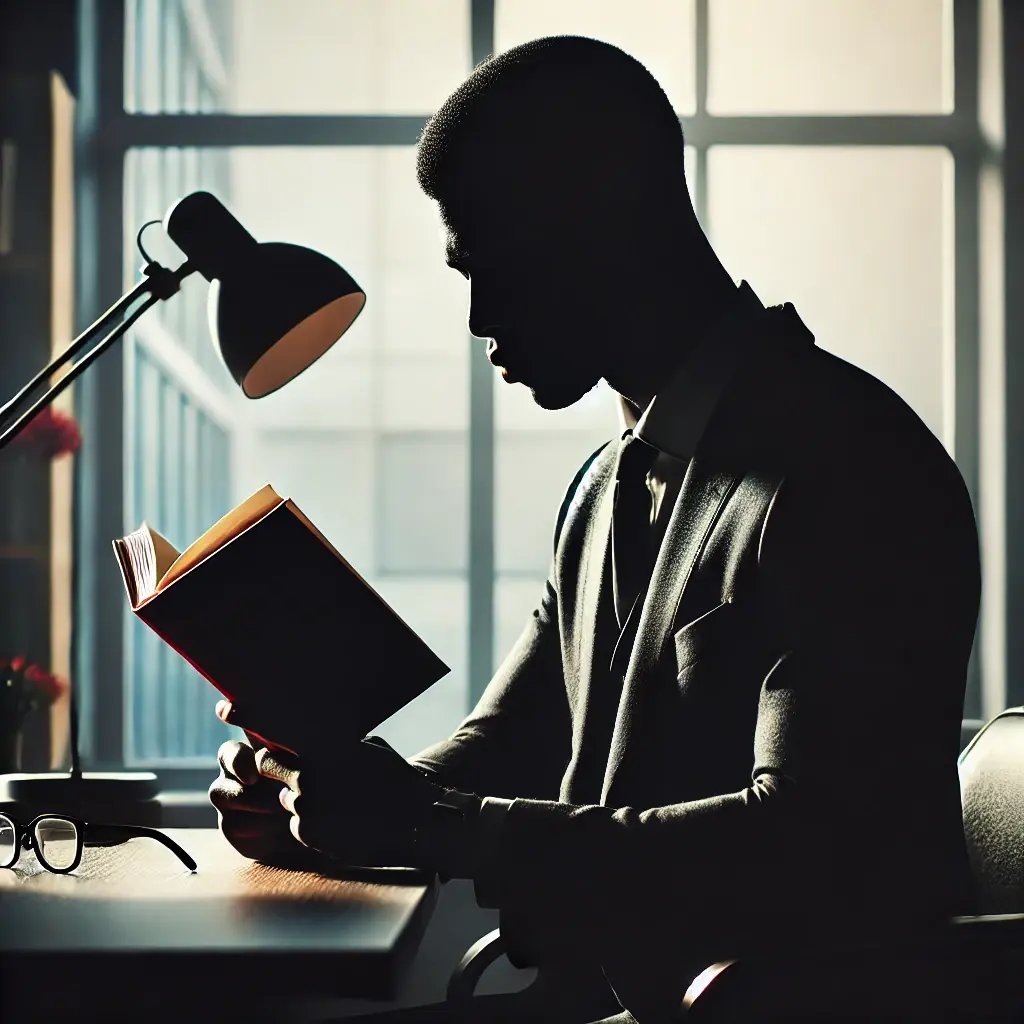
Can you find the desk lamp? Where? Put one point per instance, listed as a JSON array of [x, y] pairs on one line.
[[274, 309]]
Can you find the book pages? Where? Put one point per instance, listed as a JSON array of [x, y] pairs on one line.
[[227, 527], [165, 552]]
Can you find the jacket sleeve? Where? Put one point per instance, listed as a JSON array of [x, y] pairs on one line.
[[863, 616], [516, 742]]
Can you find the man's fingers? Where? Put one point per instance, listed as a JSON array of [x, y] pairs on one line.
[[249, 719], [300, 831], [238, 760], [277, 765], [228, 795], [287, 799]]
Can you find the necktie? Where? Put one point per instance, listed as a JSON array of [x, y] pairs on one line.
[[632, 539]]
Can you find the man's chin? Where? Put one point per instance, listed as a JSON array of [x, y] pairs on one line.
[[560, 395]]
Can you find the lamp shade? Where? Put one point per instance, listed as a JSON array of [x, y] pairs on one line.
[[274, 308]]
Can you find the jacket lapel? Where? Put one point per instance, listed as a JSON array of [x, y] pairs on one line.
[[595, 548], [700, 500], [705, 490]]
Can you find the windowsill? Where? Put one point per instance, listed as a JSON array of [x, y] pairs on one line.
[[186, 808]]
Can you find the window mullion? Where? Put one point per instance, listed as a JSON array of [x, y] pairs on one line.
[[481, 576], [98, 638]]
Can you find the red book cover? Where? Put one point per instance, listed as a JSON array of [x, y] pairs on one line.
[[276, 619]]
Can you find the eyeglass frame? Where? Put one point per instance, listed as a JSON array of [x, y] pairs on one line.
[[100, 835]]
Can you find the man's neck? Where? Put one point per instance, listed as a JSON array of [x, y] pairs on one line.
[[668, 329]]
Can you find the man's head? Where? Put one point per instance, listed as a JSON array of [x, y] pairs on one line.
[[558, 169]]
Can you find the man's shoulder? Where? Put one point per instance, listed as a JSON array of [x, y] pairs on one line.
[[586, 483], [795, 403], [843, 440]]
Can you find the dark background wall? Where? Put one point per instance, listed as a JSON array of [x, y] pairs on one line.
[[35, 39], [37, 35]]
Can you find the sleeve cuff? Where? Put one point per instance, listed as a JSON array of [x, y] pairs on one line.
[[490, 824]]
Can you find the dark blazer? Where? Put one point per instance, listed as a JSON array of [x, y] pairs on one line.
[[769, 745]]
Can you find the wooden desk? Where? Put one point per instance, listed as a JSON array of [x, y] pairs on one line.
[[133, 933]]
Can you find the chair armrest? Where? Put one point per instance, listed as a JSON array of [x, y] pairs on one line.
[[462, 984], [969, 967], [983, 931]]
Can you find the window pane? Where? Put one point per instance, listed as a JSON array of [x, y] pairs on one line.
[[424, 391], [860, 240], [436, 610], [423, 511], [659, 33], [392, 502], [834, 57], [532, 472], [276, 56], [515, 598], [179, 481], [329, 473]]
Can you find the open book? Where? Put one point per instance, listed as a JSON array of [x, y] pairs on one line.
[[273, 616]]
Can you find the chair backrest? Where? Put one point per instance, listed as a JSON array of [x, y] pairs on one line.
[[992, 792]]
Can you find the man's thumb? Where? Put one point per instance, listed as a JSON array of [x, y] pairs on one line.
[[226, 712]]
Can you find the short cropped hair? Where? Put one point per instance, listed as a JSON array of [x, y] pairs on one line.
[[541, 116]]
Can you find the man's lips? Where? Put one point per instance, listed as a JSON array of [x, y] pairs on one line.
[[497, 360]]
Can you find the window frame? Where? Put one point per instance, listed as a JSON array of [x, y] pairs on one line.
[[105, 134]]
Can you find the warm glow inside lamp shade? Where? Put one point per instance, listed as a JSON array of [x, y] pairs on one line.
[[306, 342]]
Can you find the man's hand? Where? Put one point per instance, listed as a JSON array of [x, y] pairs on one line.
[[361, 807], [251, 816]]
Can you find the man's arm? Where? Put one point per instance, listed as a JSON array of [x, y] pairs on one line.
[[517, 740], [368, 802]]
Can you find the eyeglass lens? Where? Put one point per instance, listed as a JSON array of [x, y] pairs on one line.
[[56, 843], [8, 841]]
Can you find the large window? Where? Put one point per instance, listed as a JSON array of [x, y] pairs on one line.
[[834, 153]]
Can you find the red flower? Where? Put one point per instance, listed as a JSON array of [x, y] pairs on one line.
[[24, 687], [49, 685], [51, 433]]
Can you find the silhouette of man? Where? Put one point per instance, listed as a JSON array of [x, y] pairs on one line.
[[733, 717]]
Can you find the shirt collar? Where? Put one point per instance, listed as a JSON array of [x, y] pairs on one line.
[[677, 415]]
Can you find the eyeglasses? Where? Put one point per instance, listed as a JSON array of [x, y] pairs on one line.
[[58, 840]]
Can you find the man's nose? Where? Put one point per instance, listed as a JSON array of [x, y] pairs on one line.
[[486, 332]]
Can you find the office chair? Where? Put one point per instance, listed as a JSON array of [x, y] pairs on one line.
[[969, 969]]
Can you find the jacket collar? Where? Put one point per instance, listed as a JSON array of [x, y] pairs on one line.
[[675, 419]]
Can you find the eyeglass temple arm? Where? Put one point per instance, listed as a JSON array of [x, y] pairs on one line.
[[108, 835]]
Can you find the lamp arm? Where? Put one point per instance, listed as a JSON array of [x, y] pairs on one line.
[[117, 309], [159, 285], [76, 371]]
